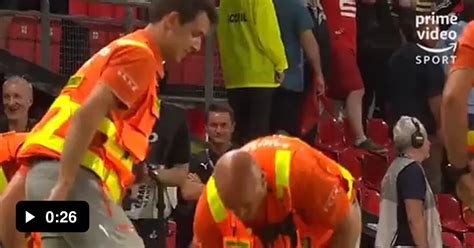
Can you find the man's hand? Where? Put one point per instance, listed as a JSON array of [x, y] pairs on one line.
[[279, 77], [192, 187], [193, 177], [60, 192], [320, 85]]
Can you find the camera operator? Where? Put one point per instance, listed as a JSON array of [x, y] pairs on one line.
[[408, 215], [169, 158]]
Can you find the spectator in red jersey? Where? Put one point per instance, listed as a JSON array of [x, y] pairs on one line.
[[345, 82]]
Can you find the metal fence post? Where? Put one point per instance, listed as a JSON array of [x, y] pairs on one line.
[[129, 19], [45, 33], [209, 70]]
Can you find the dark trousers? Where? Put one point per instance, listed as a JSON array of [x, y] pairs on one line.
[[252, 108], [286, 108]]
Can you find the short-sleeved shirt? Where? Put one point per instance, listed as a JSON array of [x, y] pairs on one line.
[[411, 184], [293, 19], [465, 49], [129, 66], [170, 145], [411, 85], [170, 142]]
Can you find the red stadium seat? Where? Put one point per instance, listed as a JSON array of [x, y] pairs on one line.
[[114, 33], [468, 217], [171, 238], [175, 73], [378, 131], [54, 47], [77, 7], [450, 213], [450, 240], [330, 135], [468, 239], [22, 48], [351, 160], [54, 31], [369, 201], [119, 12], [98, 35], [23, 27], [193, 70], [54, 56], [373, 170], [100, 10], [196, 122]]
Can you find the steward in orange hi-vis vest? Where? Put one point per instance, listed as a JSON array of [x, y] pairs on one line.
[[12, 188], [9, 145], [308, 199], [122, 137]]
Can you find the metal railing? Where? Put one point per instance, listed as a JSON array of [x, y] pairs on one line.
[[63, 42]]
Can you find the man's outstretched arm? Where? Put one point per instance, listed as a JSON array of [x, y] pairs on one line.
[[347, 233]]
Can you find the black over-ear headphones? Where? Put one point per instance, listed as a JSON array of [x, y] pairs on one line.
[[417, 138]]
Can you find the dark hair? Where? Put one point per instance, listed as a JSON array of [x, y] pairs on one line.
[[220, 108], [187, 9], [468, 11]]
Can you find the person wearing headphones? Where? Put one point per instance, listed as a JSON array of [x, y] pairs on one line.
[[408, 216]]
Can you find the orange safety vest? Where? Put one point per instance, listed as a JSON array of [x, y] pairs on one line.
[[121, 142], [274, 154], [10, 142]]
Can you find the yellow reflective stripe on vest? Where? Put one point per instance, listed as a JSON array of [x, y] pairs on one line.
[[282, 171], [470, 138], [216, 206], [3, 180], [346, 174], [90, 160]]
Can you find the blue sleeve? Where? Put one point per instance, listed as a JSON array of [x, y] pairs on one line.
[[411, 183], [303, 17]]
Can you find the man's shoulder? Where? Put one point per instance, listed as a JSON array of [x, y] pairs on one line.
[[412, 171], [467, 37]]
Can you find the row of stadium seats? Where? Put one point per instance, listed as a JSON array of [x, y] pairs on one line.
[[79, 7], [24, 40]]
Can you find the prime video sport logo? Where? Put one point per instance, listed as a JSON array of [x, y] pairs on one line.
[[428, 30]]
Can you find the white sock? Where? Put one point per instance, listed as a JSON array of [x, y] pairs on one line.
[[360, 139]]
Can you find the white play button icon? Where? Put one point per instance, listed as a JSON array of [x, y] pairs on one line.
[[28, 217]]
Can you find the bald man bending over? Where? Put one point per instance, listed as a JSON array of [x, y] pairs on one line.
[[276, 192]]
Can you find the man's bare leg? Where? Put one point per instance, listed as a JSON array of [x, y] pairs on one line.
[[354, 112], [354, 115]]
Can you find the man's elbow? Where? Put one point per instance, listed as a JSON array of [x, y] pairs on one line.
[[450, 100], [351, 227]]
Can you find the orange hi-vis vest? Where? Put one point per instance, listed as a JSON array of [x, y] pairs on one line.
[[274, 156], [119, 142], [9, 145]]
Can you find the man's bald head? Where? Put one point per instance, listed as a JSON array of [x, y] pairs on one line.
[[240, 183]]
